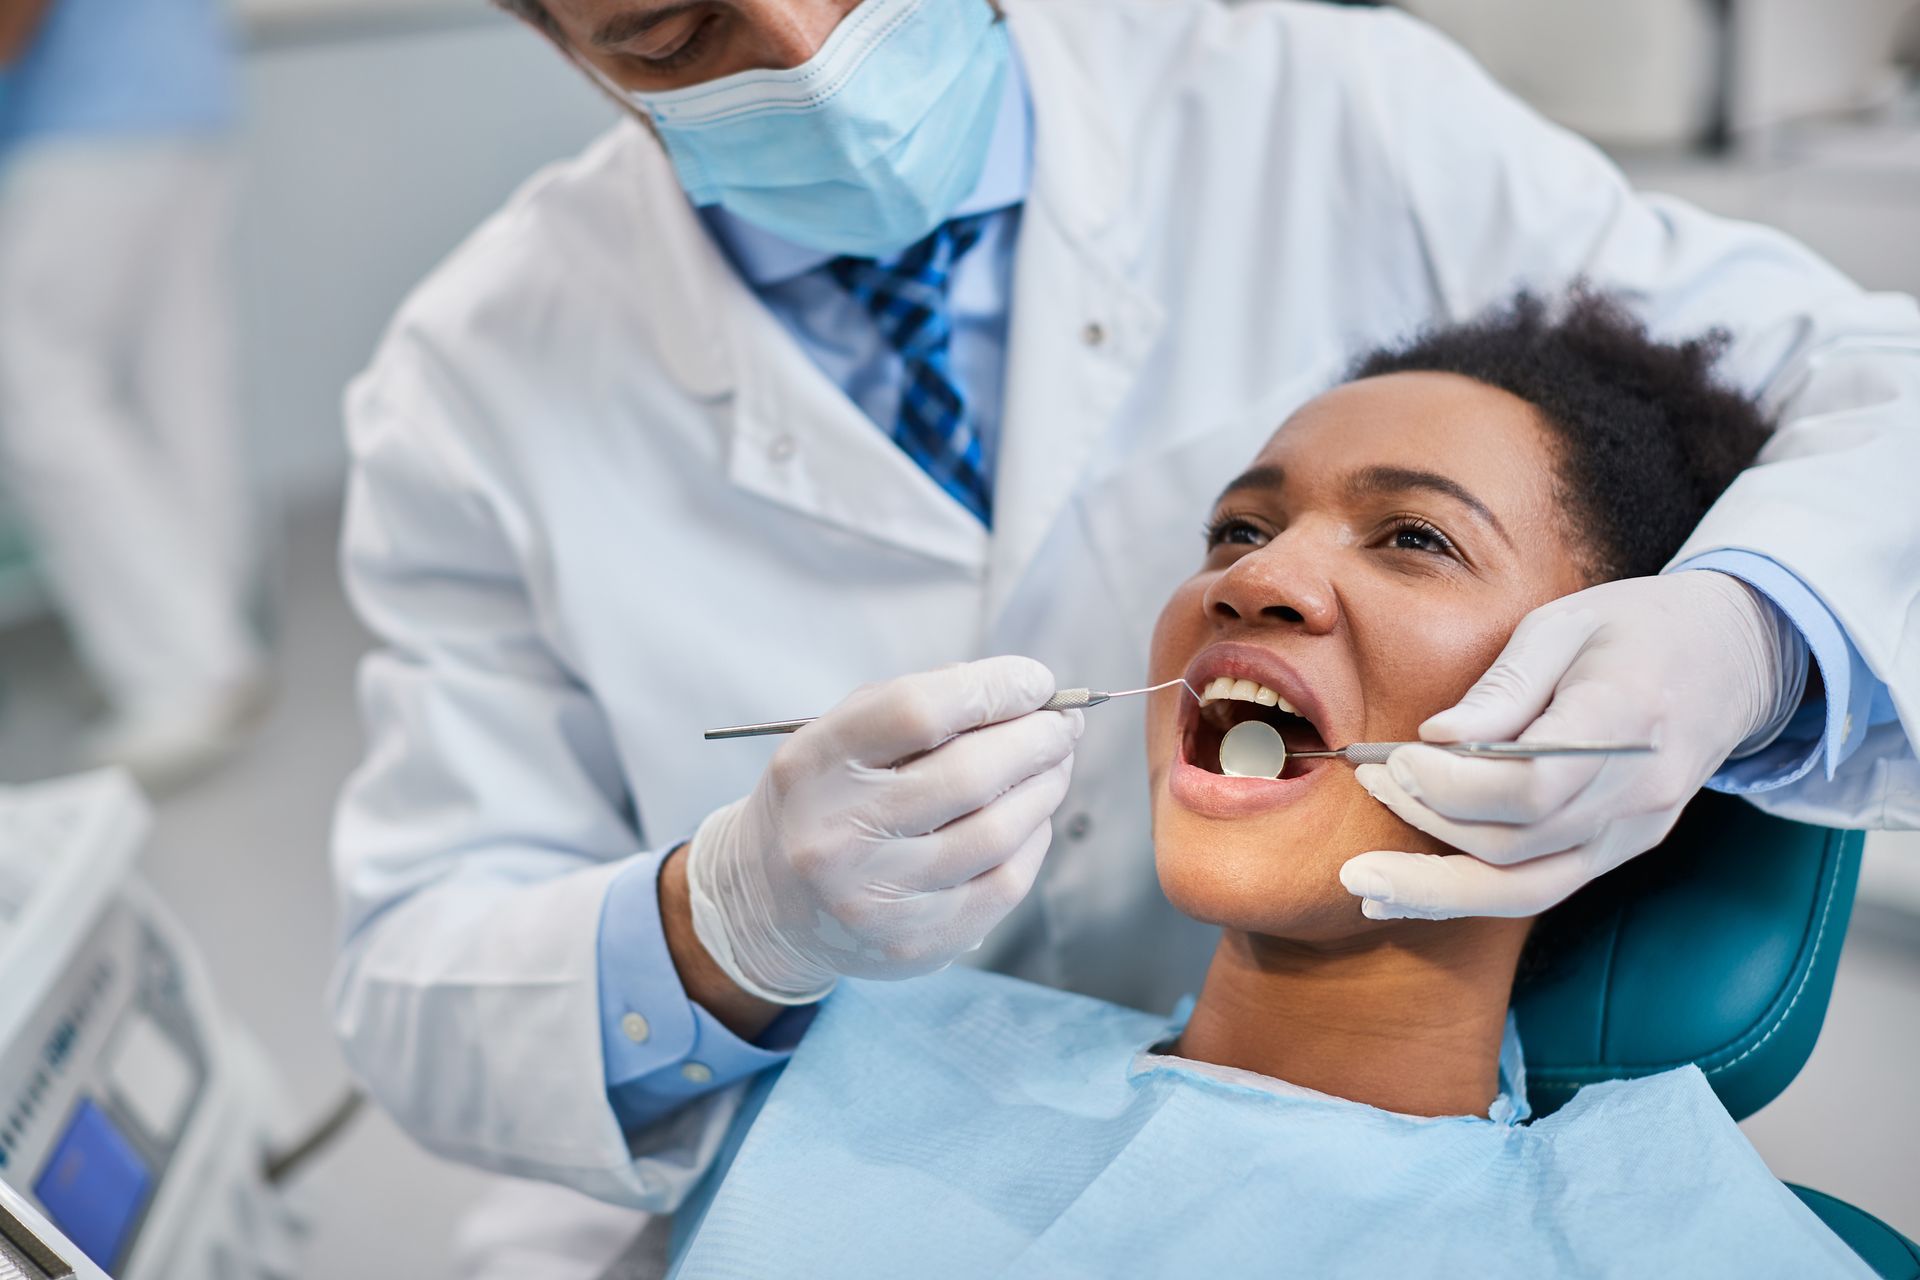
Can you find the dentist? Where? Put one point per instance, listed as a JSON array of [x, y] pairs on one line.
[[884, 335]]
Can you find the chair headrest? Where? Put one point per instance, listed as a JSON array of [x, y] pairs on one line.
[[1718, 948]]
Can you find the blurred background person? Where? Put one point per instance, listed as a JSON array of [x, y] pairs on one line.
[[119, 426]]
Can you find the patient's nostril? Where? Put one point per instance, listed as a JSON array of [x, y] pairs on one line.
[[1283, 612]]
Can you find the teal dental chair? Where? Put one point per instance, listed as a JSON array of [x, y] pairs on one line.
[[1718, 949]]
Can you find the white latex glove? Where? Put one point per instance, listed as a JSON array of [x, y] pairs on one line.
[[890, 836], [1693, 661]]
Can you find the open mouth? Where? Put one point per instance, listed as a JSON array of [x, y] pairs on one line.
[[1227, 702]]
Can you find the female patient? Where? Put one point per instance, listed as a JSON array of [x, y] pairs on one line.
[[1347, 1096]]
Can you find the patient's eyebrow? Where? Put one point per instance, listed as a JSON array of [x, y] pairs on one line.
[[1377, 481], [1262, 477]]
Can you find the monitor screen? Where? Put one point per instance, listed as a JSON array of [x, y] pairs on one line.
[[94, 1185]]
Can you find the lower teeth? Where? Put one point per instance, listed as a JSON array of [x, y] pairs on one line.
[[1253, 749]]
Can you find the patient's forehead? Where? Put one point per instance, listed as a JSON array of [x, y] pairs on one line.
[[1488, 440]]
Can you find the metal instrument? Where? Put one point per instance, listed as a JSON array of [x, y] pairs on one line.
[[1377, 752], [1065, 700], [1358, 753]]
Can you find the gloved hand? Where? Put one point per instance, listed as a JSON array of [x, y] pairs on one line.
[[890, 836], [1695, 661]]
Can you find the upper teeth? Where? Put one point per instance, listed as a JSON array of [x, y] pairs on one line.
[[1245, 691]]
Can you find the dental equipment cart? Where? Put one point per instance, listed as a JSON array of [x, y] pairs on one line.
[[132, 1111]]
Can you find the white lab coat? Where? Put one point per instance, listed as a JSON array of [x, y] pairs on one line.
[[602, 501]]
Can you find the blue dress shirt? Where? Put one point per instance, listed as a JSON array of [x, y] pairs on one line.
[[835, 329], [123, 68], [1822, 731], [662, 1049]]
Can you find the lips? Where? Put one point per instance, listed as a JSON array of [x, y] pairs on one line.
[[1194, 779], [1202, 726]]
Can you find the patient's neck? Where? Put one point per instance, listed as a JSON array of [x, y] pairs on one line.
[[1410, 1020]]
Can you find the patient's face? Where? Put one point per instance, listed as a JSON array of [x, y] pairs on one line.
[[1367, 568]]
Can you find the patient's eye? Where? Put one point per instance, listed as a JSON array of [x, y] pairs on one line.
[[1409, 534], [1230, 530]]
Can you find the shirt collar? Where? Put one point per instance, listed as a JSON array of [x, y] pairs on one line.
[[764, 258]]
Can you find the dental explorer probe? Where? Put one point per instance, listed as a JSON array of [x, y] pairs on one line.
[[1065, 700], [1377, 752], [1358, 753]]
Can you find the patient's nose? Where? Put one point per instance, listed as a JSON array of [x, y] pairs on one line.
[[1278, 584]]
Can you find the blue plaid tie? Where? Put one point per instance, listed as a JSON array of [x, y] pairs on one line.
[[908, 300]]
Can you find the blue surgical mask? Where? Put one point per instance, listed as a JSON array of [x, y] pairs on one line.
[[865, 148]]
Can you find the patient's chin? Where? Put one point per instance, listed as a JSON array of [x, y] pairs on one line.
[[1299, 898], [1277, 874]]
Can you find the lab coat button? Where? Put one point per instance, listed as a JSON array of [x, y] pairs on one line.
[[1078, 826], [1095, 334], [635, 1028], [783, 448], [697, 1073]]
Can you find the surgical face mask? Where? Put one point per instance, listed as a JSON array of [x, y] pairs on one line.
[[863, 149]]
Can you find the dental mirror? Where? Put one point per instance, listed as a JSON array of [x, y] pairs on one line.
[[1253, 749]]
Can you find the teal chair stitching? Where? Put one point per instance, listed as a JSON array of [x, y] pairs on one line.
[[1885, 1250], [1806, 965], [1606, 981], [1564, 1082]]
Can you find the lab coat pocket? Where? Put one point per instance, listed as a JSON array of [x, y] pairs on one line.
[[1143, 518]]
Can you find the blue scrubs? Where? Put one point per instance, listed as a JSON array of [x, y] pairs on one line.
[[123, 69], [970, 1125]]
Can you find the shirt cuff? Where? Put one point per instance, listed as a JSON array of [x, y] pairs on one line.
[[1816, 734], [661, 1049]]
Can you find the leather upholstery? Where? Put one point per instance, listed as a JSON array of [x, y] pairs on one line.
[[1719, 948], [1891, 1255]]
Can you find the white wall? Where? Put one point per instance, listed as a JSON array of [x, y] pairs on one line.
[[1641, 72], [366, 161], [1638, 71], [1800, 57], [275, 20]]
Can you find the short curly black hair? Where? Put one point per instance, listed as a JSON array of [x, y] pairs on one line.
[[1646, 437]]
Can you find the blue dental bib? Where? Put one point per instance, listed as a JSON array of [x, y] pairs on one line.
[[970, 1125]]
